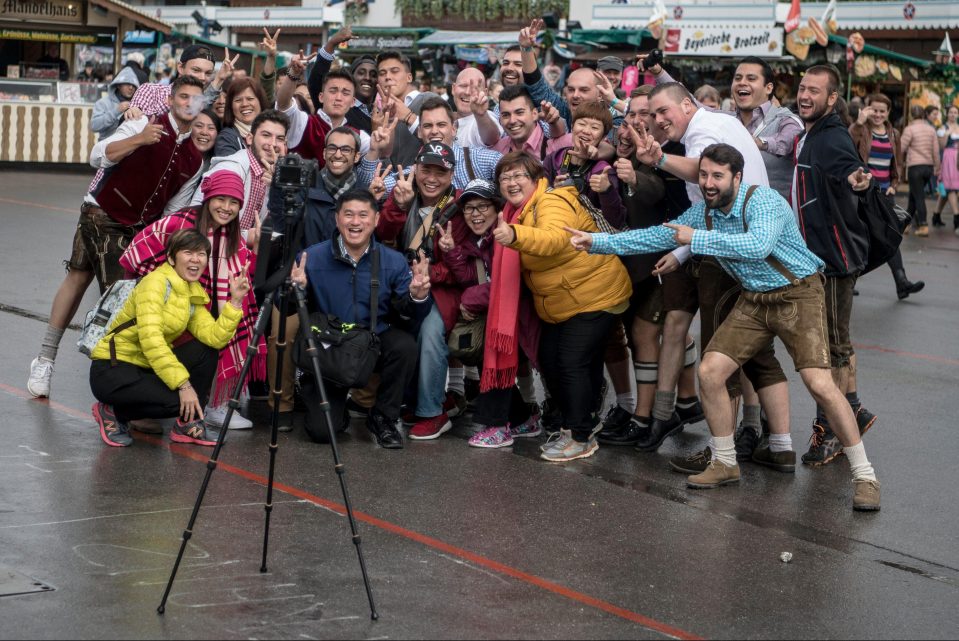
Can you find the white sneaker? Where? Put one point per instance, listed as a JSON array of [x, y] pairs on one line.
[[41, 371], [214, 416]]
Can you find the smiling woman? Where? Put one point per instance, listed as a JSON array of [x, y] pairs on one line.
[[245, 99]]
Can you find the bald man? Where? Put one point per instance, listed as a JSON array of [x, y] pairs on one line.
[[476, 126]]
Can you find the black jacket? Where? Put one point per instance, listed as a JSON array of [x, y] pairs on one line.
[[828, 208], [319, 214], [646, 206]]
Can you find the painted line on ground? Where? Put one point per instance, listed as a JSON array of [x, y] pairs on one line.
[[202, 456], [898, 352], [27, 203]]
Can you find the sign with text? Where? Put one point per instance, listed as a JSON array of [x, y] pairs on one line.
[[65, 11], [48, 36], [764, 42]]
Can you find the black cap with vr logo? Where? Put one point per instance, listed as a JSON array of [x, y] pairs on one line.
[[436, 153]]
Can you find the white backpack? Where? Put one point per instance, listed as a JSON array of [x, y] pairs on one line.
[[105, 311]]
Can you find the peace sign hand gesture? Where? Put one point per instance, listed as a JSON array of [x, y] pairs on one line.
[[527, 35], [420, 284], [403, 191], [226, 67], [253, 234], [269, 42], [240, 286], [445, 240], [479, 100], [648, 150], [378, 184], [298, 272], [343, 35], [605, 87], [583, 151]]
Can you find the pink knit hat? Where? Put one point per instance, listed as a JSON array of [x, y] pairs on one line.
[[222, 183]]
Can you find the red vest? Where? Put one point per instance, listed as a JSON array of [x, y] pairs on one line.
[[136, 190], [314, 140]]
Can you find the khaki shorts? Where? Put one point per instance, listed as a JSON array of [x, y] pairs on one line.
[[838, 290], [98, 245], [794, 313]]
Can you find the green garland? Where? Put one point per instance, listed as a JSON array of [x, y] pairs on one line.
[[480, 9]]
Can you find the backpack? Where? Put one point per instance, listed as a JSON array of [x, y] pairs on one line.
[[105, 311]]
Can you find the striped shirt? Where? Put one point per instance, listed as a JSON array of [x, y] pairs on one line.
[[880, 159], [772, 230], [483, 160]]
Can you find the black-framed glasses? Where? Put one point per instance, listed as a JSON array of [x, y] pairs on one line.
[[346, 150], [483, 208]]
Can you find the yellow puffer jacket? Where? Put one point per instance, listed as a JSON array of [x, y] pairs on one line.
[[565, 282], [148, 343]]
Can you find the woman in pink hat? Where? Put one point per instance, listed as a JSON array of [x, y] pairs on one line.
[[218, 218]]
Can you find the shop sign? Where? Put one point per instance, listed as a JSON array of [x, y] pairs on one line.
[[373, 42], [48, 36], [718, 41], [67, 11]]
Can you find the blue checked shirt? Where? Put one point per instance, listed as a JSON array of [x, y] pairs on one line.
[[484, 166], [772, 229]]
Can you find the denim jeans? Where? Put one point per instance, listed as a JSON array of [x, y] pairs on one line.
[[434, 354]]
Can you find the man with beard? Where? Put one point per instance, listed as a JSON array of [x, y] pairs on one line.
[[754, 236], [148, 167], [511, 75], [363, 70], [828, 174]]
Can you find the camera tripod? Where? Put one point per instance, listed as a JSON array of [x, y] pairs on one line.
[[279, 286]]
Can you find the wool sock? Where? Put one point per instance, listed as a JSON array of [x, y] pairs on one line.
[[457, 380], [526, 388], [472, 373], [853, 398], [752, 418], [780, 443], [724, 450], [860, 465], [664, 405], [627, 401], [51, 343]]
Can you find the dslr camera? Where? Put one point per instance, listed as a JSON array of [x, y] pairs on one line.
[[293, 172]]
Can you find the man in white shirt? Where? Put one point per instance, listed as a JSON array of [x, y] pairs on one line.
[[476, 126], [396, 86]]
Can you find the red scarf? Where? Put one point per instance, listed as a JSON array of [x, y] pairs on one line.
[[500, 349]]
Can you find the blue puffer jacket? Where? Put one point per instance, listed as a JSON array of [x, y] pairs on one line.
[[340, 289]]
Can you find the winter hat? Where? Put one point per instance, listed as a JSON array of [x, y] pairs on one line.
[[222, 183]]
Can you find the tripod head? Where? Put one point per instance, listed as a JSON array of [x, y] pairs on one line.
[[293, 176]]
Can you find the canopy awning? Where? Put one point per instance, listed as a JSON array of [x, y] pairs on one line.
[[884, 53], [442, 38], [612, 37], [135, 13], [256, 53]]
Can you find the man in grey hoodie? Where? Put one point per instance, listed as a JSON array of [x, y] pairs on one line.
[[108, 111]]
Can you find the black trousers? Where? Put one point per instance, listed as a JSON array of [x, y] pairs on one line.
[[498, 407], [571, 355], [918, 176], [136, 392], [396, 366]]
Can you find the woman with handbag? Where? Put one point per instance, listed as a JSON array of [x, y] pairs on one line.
[[577, 300], [501, 411]]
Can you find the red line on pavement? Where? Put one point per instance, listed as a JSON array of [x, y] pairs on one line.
[[899, 352], [40, 205], [202, 456]]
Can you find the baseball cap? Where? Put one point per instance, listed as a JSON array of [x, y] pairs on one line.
[[435, 153], [196, 51], [480, 188], [610, 63]]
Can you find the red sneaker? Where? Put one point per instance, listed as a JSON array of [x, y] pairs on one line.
[[426, 429]]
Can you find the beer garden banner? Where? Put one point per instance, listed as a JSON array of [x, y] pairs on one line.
[[764, 42]]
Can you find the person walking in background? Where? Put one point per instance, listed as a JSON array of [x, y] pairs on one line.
[[920, 150], [949, 174]]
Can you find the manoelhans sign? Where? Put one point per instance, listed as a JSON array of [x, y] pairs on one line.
[[63, 11], [717, 41]]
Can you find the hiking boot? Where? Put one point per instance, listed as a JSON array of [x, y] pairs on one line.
[[558, 439], [617, 419], [824, 446], [747, 440], [195, 433], [426, 429], [571, 451], [531, 427], [715, 474], [384, 431], [113, 432], [695, 463], [779, 461], [492, 437], [658, 432], [864, 419], [552, 418], [630, 435], [692, 414], [146, 425], [41, 371], [923, 230], [866, 498], [455, 404]]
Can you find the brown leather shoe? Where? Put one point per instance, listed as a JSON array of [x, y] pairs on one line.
[[716, 474], [866, 498], [923, 230], [779, 461]]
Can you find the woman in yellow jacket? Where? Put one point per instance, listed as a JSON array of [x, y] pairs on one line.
[[578, 296], [161, 350]]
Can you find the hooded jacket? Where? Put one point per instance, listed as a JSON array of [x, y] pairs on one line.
[[106, 117], [827, 208]]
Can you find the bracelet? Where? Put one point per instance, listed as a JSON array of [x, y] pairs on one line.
[[185, 386], [662, 161], [526, 49], [409, 118], [293, 77]]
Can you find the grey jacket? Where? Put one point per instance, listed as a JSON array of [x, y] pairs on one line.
[[106, 118]]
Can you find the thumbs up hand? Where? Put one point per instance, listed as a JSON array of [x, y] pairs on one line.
[[503, 233], [152, 133], [600, 182]]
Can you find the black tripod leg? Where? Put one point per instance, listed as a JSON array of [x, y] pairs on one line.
[[211, 464], [276, 393], [338, 466]]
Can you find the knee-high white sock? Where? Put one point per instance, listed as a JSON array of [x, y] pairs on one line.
[[724, 450], [457, 380], [859, 463]]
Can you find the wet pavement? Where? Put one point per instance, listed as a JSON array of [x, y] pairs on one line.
[[466, 543]]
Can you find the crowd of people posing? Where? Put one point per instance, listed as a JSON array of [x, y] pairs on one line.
[[573, 234]]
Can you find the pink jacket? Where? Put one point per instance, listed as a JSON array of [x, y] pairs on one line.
[[919, 144]]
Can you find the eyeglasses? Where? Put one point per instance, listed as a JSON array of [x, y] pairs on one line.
[[346, 150], [515, 177], [482, 209]]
